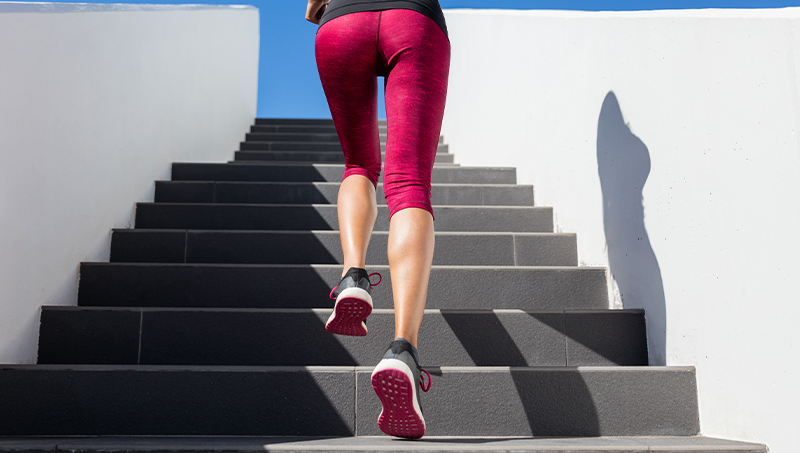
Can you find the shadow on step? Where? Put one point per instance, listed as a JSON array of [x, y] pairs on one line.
[[551, 401], [623, 163]]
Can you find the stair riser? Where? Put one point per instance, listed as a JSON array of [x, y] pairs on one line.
[[177, 402], [327, 193], [147, 246], [298, 156], [531, 402], [371, 444], [267, 286], [324, 217], [488, 402], [301, 129], [326, 173], [270, 136], [298, 338], [300, 122], [310, 146]]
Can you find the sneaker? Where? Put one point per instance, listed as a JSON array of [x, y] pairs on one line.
[[397, 381], [353, 303]]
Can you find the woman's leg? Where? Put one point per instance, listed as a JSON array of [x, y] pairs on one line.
[[346, 57], [410, 256], [357, 211], [416, 65]]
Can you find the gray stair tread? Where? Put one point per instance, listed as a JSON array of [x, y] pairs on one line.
[[162, 336], [674, 444], [339, 401], [324, 247], [327, 193], [332, 147], [257, 135], [308, 286], [311, 156], [241, 216], [302, 121], [309, 172]]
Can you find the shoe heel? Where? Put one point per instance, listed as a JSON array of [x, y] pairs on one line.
[[400, 416], [349, 314]]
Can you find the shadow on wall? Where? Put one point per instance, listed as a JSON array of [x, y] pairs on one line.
[[623, 163]]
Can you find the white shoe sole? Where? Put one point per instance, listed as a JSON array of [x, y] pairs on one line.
[[353, 305], [394, 384]]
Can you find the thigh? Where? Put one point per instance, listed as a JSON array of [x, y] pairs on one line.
[[417, 63], [346, 58]]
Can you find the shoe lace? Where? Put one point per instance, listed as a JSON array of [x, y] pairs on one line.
[[380, 279], [422, 381]]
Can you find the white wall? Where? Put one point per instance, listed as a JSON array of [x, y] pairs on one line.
[[96, 101], [698, 108]]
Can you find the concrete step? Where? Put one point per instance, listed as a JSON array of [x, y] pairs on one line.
[[297, 129], [212, 216], [273, 172], [327, 193], [285, 162], [77, 400], [637, 444], [155, 336], [299, 122], [330, 137], [303, 156], [304, 286], [333, 147], [324, 247]]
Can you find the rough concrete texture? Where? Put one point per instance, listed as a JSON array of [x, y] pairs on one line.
[[265, 286], [327, 192], [324, 247], [326, 173], [586, 402], [383, 444], [323, 217], [163, 336]]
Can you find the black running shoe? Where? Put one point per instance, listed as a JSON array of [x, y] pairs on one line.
[[397, 380], [353, 297]]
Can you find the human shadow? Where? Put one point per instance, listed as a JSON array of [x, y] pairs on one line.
[[623, 164]]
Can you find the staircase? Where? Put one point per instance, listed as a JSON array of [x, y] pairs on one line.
[[209, 321]]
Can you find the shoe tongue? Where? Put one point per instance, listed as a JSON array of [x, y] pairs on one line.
[[357, 274]]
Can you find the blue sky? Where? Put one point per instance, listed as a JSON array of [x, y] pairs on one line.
[[288, 81]]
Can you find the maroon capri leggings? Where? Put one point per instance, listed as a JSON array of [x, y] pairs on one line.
[[412, 52]]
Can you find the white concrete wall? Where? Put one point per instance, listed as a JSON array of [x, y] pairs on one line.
[[96, 101], [668, 142]]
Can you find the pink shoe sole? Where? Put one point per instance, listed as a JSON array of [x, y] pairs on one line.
[[399, 417], [348, 317]]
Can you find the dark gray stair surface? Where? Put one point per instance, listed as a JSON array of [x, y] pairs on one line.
[[383, 443], [276, 172], [298, 128], [305, 156], [168, 336], [639, 444], [301, 122], [339, 401], [209, 321], [332, 147], [239, 216], [324, 247], [308, 286], [258, 135], [327, 193]]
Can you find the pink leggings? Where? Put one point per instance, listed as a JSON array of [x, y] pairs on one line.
[[413, 54]]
